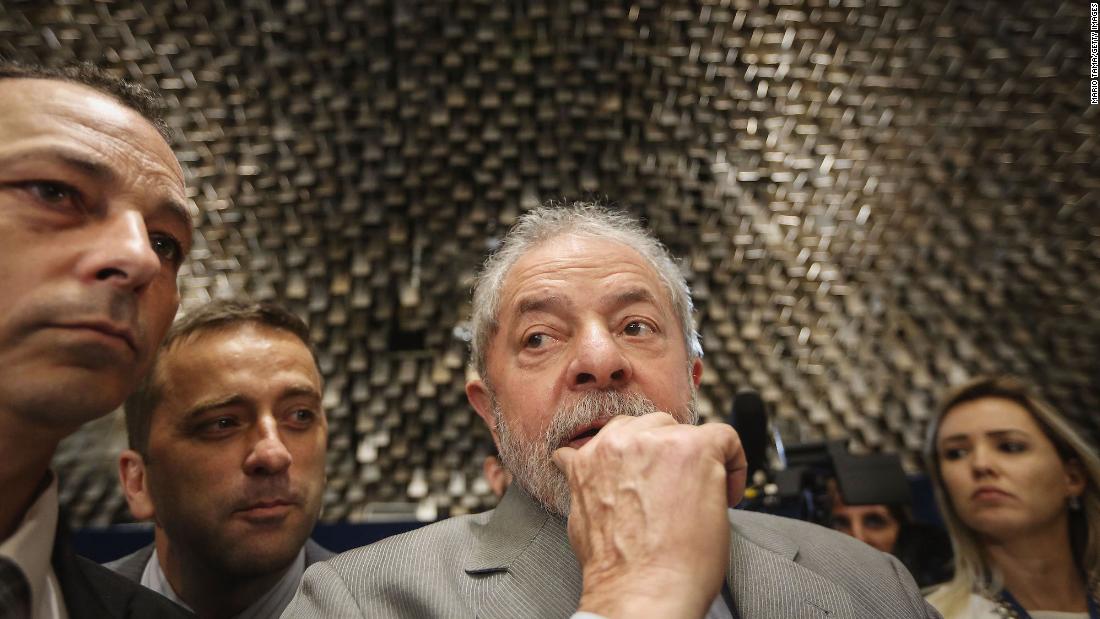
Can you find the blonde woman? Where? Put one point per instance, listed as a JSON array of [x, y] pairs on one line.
[[1018, 488]]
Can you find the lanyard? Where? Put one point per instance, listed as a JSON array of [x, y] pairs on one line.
[[1021, 612]]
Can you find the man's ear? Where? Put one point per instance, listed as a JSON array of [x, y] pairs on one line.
[[135, 485], [477, 392], [498, 477], [697, 371]]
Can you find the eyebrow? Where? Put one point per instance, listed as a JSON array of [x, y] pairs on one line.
[[632, 296], [300, 390], [101, 172], [541, 304], [236, 399], [199, 409], [178, 211], [990, 433]]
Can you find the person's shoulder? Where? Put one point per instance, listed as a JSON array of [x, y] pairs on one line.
[[790, 529], [420, 569], [428, 547], [876, 582], [131, 566], [119, 595], [953, 604], [781, 531], [315, 552]]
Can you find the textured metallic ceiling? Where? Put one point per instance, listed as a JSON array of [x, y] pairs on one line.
[[874, 200]]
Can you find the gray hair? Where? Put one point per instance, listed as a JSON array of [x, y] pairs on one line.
[[578, 219]]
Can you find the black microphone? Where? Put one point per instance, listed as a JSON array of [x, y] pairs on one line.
[[750, 418]]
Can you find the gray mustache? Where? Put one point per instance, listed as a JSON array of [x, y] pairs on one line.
[[592, 407]]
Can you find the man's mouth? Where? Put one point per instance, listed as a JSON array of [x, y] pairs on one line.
[[105, 329], [266, 511], [585, 433]]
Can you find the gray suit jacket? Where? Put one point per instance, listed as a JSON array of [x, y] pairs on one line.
[[133, 565], [516, 561]]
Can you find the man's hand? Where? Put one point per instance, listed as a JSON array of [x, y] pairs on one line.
[[648, 519]]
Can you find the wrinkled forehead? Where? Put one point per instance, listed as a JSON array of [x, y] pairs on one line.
[[48, 111], [184, 347], [577, 257], [216, 358]]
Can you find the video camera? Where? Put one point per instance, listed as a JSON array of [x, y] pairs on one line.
[[793, 480]]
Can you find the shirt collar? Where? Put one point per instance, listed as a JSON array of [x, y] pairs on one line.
[[31, 546], [153, 577], [270, 604]]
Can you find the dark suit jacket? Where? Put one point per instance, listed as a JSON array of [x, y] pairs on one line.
[[133, 565], [94, 592], [516, 561]]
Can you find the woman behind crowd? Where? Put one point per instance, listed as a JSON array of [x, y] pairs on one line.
[[924, 549], [1018, 488], [877, 525]]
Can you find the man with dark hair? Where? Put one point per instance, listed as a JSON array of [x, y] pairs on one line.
[[227, 458], [93, 228]]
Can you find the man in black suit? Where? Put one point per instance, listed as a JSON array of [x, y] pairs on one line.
[[94, 225]]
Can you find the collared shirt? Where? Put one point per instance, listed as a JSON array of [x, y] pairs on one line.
[[31, 546], [984, 607], [270, 604]]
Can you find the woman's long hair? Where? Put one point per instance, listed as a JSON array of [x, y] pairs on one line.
[[973, 573]]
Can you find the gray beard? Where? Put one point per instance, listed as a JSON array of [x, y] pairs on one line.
[[530, 461]]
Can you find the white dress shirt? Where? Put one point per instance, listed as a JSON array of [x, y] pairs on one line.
[[31, 546]]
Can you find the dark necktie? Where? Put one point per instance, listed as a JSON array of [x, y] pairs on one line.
[[15, 593]]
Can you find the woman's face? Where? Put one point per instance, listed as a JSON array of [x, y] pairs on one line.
[[870, 524], [1002, 474]]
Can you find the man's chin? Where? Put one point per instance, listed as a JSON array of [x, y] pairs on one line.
[[65, 399], [256, 558], [238, 549]]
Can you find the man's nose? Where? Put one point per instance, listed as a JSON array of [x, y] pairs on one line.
[[599, 362], [121, 253], [269, 455]]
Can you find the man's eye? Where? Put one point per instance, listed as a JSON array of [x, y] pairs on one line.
[[167, 248], [52, 192], [535, 340], [303, 416], [217, 426], [636, 328]]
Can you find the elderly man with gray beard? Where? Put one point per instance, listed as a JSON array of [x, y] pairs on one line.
[[589, 363]]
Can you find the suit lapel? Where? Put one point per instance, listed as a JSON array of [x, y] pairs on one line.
[[132, 566], [523, 565], [766, 583], [316, 552], [81, 597]]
